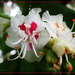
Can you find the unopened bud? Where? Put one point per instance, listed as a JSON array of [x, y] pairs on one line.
[[51, 57]]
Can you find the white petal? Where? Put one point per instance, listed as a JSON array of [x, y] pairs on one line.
[[42, 40], [16, 21], [13, 37], [33, 16], [31, 57]]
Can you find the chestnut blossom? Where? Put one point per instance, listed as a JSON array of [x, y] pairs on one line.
[[64, 41], [56, 26], [29, 34]]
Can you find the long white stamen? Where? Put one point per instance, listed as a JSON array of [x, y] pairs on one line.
[[66, 57], [14, 42], [21, 50], [19, 53], [35, 40], [24, 53], [34, 50], [25, 39], [60, 60]]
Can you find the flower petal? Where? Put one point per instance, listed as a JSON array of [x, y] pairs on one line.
[[16, 21], [12, 38]]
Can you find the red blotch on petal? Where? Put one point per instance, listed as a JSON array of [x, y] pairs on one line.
[[22, 27], [33, 27], [36, 36], [30, 45]]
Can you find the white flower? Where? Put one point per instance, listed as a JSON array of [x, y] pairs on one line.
[[29, 34], [56, 26], [64, 41], [69, 5], [11, 9]]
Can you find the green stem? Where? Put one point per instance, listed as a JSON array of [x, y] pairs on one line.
[[4, 16]]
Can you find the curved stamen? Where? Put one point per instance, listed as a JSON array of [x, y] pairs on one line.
[[14, 42], [18, 53], [60, 60], [24, 53], [34, 50], [66, 57], [72, 26], [35, 40]]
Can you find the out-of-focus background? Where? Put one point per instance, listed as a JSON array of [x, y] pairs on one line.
[[14, 7]]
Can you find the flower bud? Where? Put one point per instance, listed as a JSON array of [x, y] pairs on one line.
[[51, 57]]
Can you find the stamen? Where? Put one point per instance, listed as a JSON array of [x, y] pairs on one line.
[[15, 42], [34, 50], [24, 53], [19, 53], [40, 53], [57, 25], [66, 51], [56, 66], [59, 60], [35, 40], [29, 35], [70, 68], [72, 26], [7, 36], [66, 57], [63, 28]]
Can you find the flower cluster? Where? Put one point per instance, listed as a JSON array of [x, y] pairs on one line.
[[30, 34]]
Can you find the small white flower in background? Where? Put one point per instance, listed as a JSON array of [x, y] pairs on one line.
[[70, 6], [29, 34], [56, 26], [11, 9], [3, 24], [1, 57]]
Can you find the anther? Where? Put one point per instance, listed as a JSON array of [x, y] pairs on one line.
[[8, 58], [17, 47], [7, 36], [56, 66], [66, 51], [73, 20], [29, 35], [73, 36], [70, 68], [58, 62], [40, 53]]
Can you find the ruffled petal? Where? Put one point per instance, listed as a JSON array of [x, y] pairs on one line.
[[16, 21], [33, 16]]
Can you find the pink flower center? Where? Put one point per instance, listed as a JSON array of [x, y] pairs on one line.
[[29, 31]]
